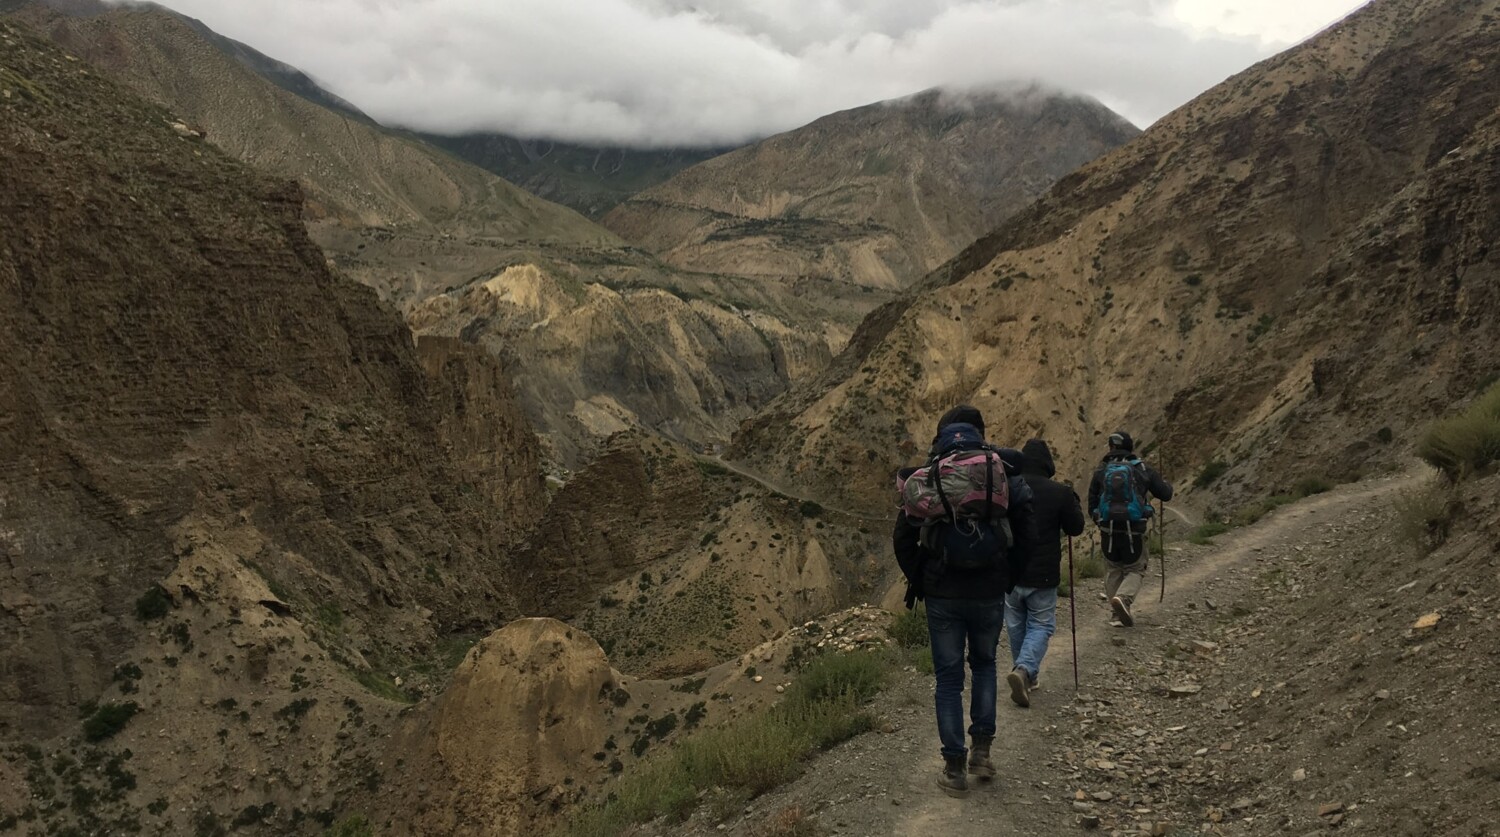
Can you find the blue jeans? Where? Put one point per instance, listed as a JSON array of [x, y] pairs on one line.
[[952, 623], [1030, 620]]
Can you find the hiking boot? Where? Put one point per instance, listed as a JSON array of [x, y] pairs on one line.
[[954, 781], [1122, 611], [979, 758], [1020, 689]]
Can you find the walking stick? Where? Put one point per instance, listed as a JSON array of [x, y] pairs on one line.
[[1161, 543], [1073, 611]]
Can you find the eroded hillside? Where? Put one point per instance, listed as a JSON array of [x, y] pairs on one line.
[[1284, 276], [235, 497]]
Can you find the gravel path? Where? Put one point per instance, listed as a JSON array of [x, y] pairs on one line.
[[884, 782]]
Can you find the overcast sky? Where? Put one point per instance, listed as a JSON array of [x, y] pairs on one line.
[[698, 72]]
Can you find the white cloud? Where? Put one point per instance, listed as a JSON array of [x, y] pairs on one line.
[[680, 72]]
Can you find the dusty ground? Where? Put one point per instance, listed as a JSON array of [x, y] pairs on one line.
[[1283, 713]]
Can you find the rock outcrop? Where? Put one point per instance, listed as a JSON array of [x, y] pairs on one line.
[[510, 740]]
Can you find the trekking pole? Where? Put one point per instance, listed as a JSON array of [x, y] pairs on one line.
[[1073, 612], [1161, 542]]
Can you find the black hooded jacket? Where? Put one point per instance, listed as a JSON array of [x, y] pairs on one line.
[[1155, 485], [1056, 510]]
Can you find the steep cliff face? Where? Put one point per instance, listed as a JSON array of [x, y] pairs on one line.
[[225, 475], [1283, 275], [872, 197]]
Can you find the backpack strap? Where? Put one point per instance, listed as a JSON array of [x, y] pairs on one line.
[[937, 481]]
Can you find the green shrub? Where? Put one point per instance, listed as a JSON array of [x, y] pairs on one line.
[[909, 628], [1468, 442], [1212, 471], [153, 604], [108, 720], [1255, 511], [1308, 486], [1205, 533], [808, 508]]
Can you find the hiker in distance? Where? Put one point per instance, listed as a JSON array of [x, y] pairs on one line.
[[1031, 608], [1120, 504], [964, 521]]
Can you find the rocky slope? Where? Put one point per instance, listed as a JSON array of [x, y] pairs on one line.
[[590, 179], [1283, 276], [873, 197], [235, 496]]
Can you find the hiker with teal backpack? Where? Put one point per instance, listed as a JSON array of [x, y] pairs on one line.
[[965, 522], [1120, 504]]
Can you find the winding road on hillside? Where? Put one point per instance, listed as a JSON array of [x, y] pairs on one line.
[[885, 783]]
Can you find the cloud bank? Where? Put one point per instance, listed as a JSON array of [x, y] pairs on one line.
[[709, 72]]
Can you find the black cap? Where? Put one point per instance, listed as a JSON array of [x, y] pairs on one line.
[[1120, 440]]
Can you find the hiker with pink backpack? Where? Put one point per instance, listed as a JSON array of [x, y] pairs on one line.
[[964, 527]]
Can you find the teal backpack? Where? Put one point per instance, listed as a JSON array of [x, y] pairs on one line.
[[1122, 498]]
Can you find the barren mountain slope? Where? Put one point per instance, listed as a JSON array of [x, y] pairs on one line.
[[406, 218], [230, 492], [1284, 275], [876, 196]]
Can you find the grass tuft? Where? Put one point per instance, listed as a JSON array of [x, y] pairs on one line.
[[1425, 517], [909, 628], [751, 754], [1468, 442], [1087, 563], [1206, 533], [1212, 471]]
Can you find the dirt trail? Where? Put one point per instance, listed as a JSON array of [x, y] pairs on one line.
[[884, 783], [777, 488]]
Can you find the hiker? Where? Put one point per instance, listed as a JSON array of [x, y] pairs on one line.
[[1120, 504], [962, 567], [1031, 608]]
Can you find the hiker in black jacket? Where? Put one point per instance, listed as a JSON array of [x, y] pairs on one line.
[[1120, 503], [1031, 607], [964, 609]]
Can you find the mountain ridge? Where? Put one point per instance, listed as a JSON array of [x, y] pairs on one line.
[[878, 181]]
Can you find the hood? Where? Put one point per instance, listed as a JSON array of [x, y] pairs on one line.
[[1038, 459]]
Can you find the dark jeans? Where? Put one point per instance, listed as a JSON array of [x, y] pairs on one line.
[[953, 623]]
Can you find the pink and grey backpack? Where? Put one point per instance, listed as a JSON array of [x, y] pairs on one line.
[[966, 479]]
